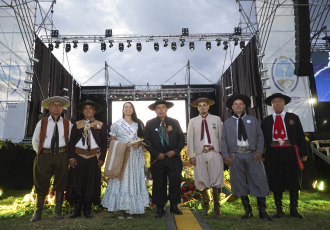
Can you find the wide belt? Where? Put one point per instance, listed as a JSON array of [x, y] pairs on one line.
[[285, 143], [49, 151], [207, 148], [244, 149], [91, 152]]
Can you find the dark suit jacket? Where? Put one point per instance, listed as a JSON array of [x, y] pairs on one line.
[[294, 130]]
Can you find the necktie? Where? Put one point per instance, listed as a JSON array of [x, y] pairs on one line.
[[204, 124], [279, 130], [87, 133], [241, 128], [163, 133], [55, 139]]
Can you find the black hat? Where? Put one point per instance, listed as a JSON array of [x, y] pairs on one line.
[[158, 102], [244, 98], [269, 99], [81, 105]]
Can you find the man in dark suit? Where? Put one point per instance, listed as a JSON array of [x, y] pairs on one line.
[[285, 150], [165, 140], [87, 151]]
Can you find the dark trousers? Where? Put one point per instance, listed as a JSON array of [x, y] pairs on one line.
[[48, 165], [172, 169]]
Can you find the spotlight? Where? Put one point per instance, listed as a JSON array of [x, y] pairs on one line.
[[67, 47], [242, 45], [156, 46], [85, 47], [54, 33], [173, 46], [166, 43], [75, 44], [191, 46], [185, 32], [235, 41], [225, 45], [218, 42], [121, 47], [108, 33], [129, 43], [182, 42], [57, 44], [139, 47], [208, 45], [50, 47], [103, 46], [237, 30], [111, 44]]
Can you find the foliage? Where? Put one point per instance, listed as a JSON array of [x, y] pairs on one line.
[[4, 145]]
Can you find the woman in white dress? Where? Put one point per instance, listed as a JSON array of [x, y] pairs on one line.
[[130, 194]]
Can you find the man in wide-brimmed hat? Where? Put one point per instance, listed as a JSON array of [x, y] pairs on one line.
[[203, 140], [50, 141], [286, 148], [242, 145], [166, 142], [87, 151]]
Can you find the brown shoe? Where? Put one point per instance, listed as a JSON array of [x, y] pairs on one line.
[[40, 205], [217, 214]]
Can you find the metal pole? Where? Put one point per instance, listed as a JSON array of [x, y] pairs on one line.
[[106, 91], [188, 88]]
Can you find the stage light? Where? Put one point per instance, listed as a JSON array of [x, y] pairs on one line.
[[85, 47], [218, 42], [50, 47], [111, 44], [121, 47], [319, 185], [156, 46], [173, 46], [139, 47], [75, 44], [29, 72], [185, 32], [54, 33], [57, 44], [182, 42], [103, 46], [67, 47], [237, 30], [235, 41], [225, 45], [312, 101], [165, 42], [208, 45], [129, 43], [108, 33], [191, 46], [35, 60], [242, 45]]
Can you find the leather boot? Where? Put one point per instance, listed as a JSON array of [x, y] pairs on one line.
[[206, 201], [77, 210], [58, 206], [247, 207], [160, 211], [216, 202], [40, 205], [279, 206], [261, 201], [294, 204], [87, 211], [174, 209]]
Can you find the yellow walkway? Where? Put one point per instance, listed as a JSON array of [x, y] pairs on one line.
[[187, 220]]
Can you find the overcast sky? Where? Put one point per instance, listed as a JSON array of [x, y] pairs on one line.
[[145, 17]]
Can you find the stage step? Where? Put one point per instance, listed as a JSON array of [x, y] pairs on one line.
[[320, 146]]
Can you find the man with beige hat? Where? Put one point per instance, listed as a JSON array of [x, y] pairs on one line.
[[50, 141], [203, 140]]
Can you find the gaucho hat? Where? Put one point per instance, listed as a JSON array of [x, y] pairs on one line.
[[81, 105], [158, 102], [269, 99], [244, 98]]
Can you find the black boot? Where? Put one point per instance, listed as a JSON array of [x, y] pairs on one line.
[[216, 192], [206, 201], [174, 208], [279, 206], [58, 207], [40, 205], [87, 211], [77, 210], [261, 201], [247, 207], [294, 204], [160, 211]]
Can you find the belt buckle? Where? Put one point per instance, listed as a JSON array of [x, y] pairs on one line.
[[205, 149], [282, 143]]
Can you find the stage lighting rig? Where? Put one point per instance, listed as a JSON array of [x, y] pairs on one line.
[[225, 45], [185, 32], [129, 43], [85, 47], [103, 46], [75, 44], [121, 47], [108, 33], [139, 47], [111, 44], [165, 42], [67, 47], [182, 42], [242, 45], [54, 33], [57, 44], [50, 47], [156, 46], [208, 45], [237, 30], [235, 41], [173, 45], [218, 42], [191, 46]]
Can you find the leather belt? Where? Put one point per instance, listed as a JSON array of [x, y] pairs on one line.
[[49, 151], [244, 149], [281, 143], [91, 152], [207, 148]]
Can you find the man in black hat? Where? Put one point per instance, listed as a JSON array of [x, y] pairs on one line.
[[166, 142], [87, 149], [242, 145], [285, 150]]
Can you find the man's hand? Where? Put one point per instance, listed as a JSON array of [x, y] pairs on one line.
[[257, 157], [73, 163], [161, 156], [228, 161], [100, 164], [170, 154], [192, 161]]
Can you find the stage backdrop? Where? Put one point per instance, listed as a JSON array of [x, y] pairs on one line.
[[279, 59]]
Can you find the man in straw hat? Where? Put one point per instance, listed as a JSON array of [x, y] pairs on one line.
[[203, 139], [87, 148], [286, 148], [166, 142], [50, 141], [242, 145]]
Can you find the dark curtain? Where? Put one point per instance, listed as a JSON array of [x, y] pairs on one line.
[[226, 81]]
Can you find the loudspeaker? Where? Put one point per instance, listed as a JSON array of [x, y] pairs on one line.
[[302, 38]]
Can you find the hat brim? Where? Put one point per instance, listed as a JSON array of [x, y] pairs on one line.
[[64, 102], [269, 99], [153, 105], [244, 98], [202, 99], [81, 105]]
